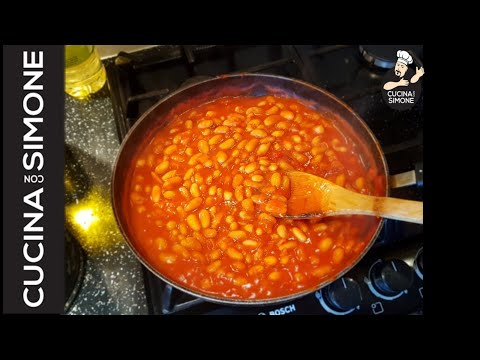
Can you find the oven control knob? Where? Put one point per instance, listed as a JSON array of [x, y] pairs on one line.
[[392, 277], [343, 294]]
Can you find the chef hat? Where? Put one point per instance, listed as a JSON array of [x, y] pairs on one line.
[[404, 57]]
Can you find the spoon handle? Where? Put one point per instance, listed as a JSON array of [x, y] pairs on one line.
[[399, 209], [391, 208]]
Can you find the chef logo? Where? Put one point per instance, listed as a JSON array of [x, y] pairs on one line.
[[401, 87]]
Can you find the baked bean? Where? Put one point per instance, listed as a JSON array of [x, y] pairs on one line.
[[251, 168], [169, 174], [340, 180], [205, 124], [276, 207], [247, 204], [270, 260], [282, 231], [253, 184], [288, 245], [238, 234], [255, 270], [320, 227], [360, 183], [169, 194], [251, 145], [336, 146], [250, 243], [239, 193], [230, 123], [259, 199], [262, 149], [337, 256], [284, 259], [156, 194], [248, 227], [274, 276], [171, 225], [210, 233], [161, 243], [172, 182], [214, 266], [193, 222], [167, 258], [170, 149], [162, 167], [317, 159], [322, 271], [301, 148], [183, 229], [204, 216], [194, 190], [325, 244], [273, 110], [244, 215], [287, 114], [227, 195], [178, 158], [299, 234], [221, 130], [258, 133], [267, 218], [227, 144], [180, 250], [203, 146], [237, 180], [193, 204], [239, 266], [317, 150], [279, 197], [234, 254]]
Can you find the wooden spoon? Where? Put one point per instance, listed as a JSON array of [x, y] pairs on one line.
[[312, 196]]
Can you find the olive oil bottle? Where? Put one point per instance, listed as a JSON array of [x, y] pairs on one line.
[[84, 71]]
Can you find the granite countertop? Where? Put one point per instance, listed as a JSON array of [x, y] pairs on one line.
[[113, 278]]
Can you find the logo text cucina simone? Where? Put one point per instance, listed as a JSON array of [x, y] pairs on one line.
[[402, 97]]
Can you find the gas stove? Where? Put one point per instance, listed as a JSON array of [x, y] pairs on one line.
[[389, 279]]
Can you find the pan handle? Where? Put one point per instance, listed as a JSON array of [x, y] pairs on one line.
[[412, 177]]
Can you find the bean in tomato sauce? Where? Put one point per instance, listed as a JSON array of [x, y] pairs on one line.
[[205, 193]]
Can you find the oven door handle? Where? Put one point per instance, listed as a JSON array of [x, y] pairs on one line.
[[412, 177]]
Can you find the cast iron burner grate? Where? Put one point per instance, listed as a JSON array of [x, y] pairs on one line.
[[139, 80]]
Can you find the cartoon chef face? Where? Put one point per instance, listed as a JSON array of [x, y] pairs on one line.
[[400, 69], [404, 59]]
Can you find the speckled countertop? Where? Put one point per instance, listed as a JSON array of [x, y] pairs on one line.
[[113, 279]]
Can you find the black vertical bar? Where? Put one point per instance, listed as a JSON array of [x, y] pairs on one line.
[[23, 261]]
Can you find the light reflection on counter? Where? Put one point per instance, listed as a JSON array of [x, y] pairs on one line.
[[92, 222], [85, 217]]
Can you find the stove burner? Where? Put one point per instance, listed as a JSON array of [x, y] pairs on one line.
[[138, 80], [385, 56], [194, 80]]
